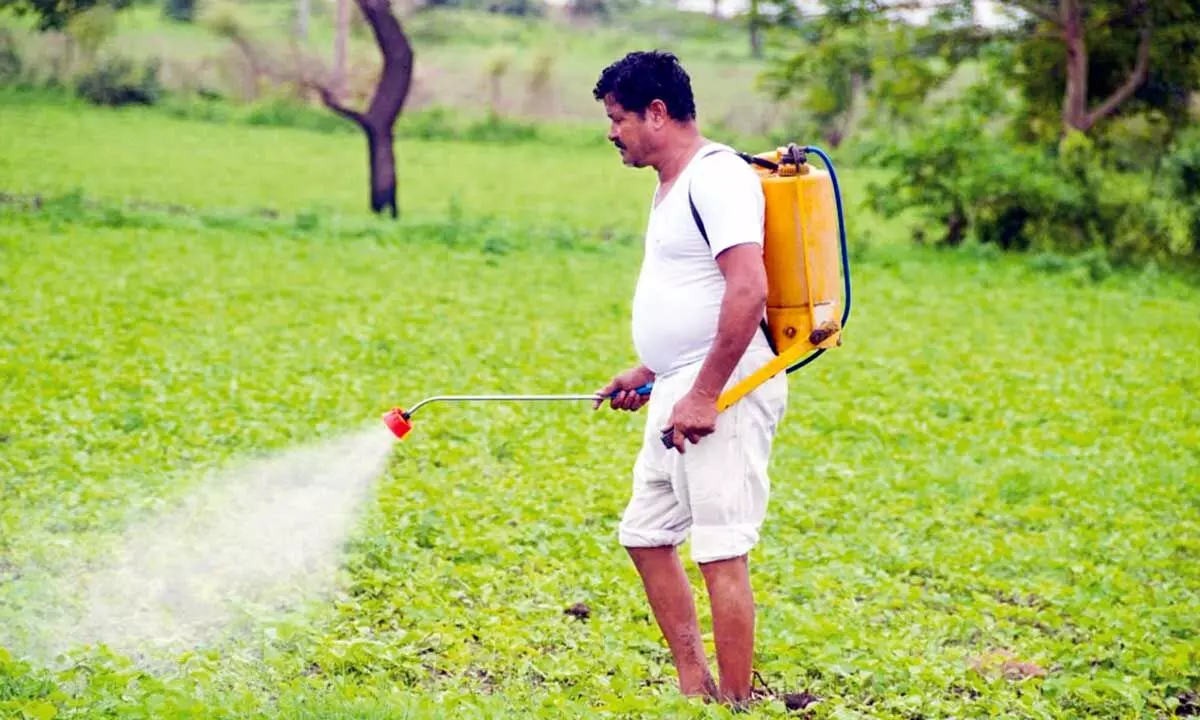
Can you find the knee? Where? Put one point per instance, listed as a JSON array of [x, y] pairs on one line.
[[723, 544], [634, 538]]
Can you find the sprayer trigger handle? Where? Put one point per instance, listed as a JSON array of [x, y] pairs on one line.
[[643, 390]]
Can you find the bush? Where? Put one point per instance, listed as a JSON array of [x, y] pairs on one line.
[[1135, 142], [980, 185], [92, 28], [116, 81], [276, 111], [11, 66], [180, 10], [1127, 215], [1181, 167], [969, 183], [1181, 172]]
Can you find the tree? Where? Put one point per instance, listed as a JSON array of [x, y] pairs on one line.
[[391, 90], [1078, 62], [761, 15], [1101, 56], [858, 63], [754, 24], [55, 14]]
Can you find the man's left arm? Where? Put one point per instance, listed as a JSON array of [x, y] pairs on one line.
[[695, 415], [735, 232], [741, 311]]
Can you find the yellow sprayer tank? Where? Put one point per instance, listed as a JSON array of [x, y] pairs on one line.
[[808, 273], [802, 253]]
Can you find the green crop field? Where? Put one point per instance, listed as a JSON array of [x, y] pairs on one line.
[[984, 504], [138, 155]]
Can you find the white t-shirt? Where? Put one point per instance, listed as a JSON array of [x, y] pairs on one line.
[[680, 288]]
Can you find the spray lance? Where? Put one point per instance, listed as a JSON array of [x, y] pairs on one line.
[[804, 237], [400, 420]]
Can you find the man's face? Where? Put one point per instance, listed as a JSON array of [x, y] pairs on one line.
[[632, 135]]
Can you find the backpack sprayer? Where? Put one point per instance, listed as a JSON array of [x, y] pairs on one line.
[[804, 233]]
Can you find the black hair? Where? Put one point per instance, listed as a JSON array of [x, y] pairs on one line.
[[643, 76]]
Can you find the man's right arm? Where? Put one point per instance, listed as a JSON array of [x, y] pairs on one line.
[[623, 386]]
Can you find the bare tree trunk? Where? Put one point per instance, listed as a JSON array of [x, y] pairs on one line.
[[956, 227], [340, 37], [1074, 112], [390, 93], [383, 169], [302, 15], [755, 30], [839, 127]]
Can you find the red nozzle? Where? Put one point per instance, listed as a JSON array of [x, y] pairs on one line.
[[397, 422]]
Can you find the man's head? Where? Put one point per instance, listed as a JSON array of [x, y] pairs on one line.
[[648, 98]]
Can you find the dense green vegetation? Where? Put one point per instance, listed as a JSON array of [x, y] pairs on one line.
[[1000, 460]]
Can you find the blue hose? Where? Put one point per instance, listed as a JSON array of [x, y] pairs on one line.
[[837, 196]]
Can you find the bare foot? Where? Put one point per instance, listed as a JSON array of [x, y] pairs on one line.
[[705, 688]]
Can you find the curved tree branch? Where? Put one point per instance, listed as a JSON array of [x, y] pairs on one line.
[[1136, 77], [332, 103]]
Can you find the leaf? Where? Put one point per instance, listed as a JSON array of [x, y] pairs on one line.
[[38, 710]]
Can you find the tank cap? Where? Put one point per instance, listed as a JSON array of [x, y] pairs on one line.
[[794, 155], [792, 160]]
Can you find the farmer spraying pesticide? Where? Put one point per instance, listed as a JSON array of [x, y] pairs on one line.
[[744, 274], [699, 315]]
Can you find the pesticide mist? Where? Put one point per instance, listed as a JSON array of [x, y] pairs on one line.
[[255, 540]]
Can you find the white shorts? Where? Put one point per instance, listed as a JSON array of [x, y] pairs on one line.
[[717, 489]]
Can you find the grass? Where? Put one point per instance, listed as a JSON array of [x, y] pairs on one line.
[[997, 461], [137, 154]]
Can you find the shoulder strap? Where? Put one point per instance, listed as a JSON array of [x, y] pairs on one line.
[[695, 212], [704, 234]]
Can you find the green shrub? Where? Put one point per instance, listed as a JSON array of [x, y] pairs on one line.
[[91, 29], [1181, 172], [1128, 215], [497, 129], [968, 182], [1136, 142], [116, 81], [283, 112], [1181, 167], [180, 10], [969, 178], [11, 66]]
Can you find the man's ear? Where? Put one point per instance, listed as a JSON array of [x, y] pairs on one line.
[[656, 112]]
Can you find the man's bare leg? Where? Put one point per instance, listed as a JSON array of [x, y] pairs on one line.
[[732, 601], [670, 596]]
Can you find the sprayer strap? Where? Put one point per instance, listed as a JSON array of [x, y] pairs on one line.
[[704, 234]]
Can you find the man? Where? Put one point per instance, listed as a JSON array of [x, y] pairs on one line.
[[696, 329]]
